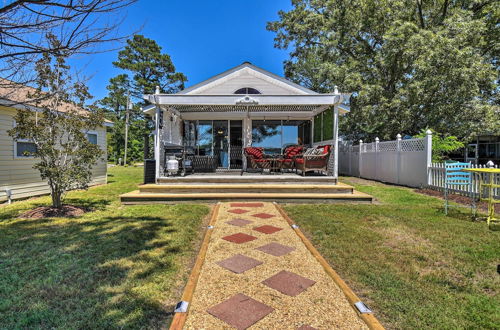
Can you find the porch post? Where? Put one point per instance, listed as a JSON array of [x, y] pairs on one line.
[[336, 141], [157, 143]]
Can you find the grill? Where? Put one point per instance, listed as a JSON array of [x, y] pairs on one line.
[[176, 160]]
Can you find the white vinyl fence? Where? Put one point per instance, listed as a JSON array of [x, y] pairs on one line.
[[436, 181], [399, 161]]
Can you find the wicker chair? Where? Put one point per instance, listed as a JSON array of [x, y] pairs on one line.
[[289, 155], [256, 160], [314, 159]]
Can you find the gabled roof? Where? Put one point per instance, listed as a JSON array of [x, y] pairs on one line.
[[258, 72]]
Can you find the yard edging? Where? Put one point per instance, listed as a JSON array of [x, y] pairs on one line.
[[371, 321], [180, 318]]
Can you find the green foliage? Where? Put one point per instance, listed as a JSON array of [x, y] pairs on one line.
[[411, 64], [442, 145], [149, 67], [64, 155]]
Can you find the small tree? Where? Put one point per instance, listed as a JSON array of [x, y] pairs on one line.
[[59, 128], [442, 145]]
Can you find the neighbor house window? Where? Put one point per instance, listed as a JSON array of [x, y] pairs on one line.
[[92, 137], [25, 148], [247, 90]]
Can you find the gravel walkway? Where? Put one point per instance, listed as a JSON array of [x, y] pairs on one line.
[[258, 274]]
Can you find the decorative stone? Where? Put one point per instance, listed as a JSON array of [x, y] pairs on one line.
[[239, 222], [276, 249], [263, 215], [240, 311], [267, 229], [288, 283], [239, 263], [239, 238]]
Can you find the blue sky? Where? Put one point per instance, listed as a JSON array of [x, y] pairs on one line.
[[203, 38]]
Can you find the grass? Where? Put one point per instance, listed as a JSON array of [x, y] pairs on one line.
[[116, 267], [416, 267]]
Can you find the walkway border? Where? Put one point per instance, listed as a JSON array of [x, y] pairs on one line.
[[370, 319], [180, 318]]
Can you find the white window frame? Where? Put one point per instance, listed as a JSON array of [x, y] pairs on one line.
[[15, 145], [15, 149], [93, 132]]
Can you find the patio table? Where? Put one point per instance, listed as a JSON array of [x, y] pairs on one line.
[[490, 185]]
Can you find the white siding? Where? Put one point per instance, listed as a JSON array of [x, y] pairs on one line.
[[18, 175]]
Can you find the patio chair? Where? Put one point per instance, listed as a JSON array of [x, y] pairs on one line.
[[314, 159], [454, 176], [256, 159], [289, 155]]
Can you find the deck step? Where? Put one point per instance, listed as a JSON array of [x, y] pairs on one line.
[[247, 188], [249, 179], [137, 197]]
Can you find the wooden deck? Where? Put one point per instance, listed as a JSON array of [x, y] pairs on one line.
[[276, 188]]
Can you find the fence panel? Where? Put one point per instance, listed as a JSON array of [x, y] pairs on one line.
[[437, 176], [400, 161]]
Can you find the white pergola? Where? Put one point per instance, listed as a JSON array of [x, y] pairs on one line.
[[255, 106]]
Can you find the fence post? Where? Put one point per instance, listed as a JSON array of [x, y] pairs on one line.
[[428, 153], [360, 158], [398, 158], [377, 140]]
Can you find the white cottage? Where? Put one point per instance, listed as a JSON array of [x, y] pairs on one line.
[[242, 121]]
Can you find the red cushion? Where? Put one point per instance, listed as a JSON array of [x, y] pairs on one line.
[[292, 151], [286, 160], [256, 152], [300, 160], [326, 149], [260, 160]]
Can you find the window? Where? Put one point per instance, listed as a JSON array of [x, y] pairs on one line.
[[274, 135], [92, 137], [24, 148], [247, 90]]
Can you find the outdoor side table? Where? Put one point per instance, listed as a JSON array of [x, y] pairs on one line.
[[490, 187]]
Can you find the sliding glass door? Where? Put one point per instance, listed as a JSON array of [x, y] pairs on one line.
[[220, 140]]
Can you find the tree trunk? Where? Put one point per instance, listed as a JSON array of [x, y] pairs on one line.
[[55, 194]]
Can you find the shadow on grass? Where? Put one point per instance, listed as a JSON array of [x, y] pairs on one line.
[[103, 273]]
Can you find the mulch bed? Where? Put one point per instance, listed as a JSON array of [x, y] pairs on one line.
[[67, 211], [464, 200]]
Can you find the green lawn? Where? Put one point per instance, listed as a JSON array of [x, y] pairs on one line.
[[414, 266], [115, 267]]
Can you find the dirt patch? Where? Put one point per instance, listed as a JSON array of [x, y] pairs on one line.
[[464, 200], [67, 211], [399, 238]]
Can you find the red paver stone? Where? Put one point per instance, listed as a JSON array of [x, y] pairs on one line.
[[247, 204], [263, 215], [306, 327], [239, 238], [240, 311], [239, 222], [238, 211], [288, 283], [267, 229], [276, 249], [239, 263]]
